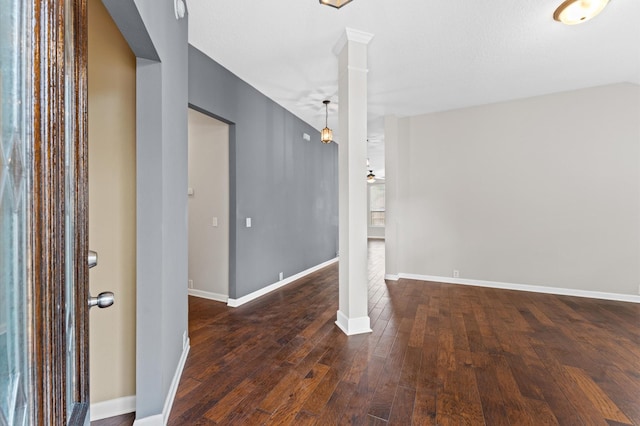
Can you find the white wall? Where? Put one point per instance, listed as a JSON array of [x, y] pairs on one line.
[[542, 191], [209, 179]]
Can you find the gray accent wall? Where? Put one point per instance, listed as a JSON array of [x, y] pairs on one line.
[[287, 186], [128, 20], [161, 161]]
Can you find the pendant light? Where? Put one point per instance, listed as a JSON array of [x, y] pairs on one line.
[[326, 136], [335, 3], [572, 12], [370, 177]]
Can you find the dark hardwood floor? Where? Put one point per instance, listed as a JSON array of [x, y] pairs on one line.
[[439, 354], [123, 420]]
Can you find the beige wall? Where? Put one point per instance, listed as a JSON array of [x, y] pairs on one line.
[[112, 206], [542, 191], [209, 179]]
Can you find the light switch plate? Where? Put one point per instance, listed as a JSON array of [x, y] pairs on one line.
[[248, 221]]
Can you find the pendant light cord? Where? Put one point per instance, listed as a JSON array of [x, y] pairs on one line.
[[326, 114]]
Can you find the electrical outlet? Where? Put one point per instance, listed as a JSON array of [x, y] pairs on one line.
[[190, 283], [456, 273], [281, 276]]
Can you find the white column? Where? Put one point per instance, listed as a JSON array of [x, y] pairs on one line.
[[353, 315]]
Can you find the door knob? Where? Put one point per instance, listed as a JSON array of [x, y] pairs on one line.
[[104, 300]]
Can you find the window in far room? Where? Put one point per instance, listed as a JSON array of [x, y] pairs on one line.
[[376, 205]]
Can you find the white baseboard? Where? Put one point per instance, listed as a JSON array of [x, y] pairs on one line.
[[168, 403], [161, 419], [208, 295], [352, 326], [150, 421], [526, 287], [392, 277], [113, 407], [234, 303]]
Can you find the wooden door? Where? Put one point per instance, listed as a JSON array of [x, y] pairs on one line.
[[43, 213]]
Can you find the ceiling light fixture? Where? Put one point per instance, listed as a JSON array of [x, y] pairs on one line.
[[179, 8], [572, 12], [326, 136], [335, 3], [371, 177]]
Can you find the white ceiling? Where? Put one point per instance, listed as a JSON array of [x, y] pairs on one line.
[[426, 55]]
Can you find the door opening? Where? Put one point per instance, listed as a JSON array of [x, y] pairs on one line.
[[112, 213], [208, 192]]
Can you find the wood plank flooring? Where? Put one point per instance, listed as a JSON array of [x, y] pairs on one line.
[[123, 420], [439, 354]]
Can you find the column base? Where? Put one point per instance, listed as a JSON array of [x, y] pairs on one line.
[[351, 326]]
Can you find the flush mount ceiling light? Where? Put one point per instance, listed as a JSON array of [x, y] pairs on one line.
[[179, 8], [572, 12], [326, 136], [335, 3]]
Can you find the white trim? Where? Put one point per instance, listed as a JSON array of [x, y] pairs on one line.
[[208, 295], [168, 403], [351, 326], [234, 303], [392, 277], [526, 287], [150, 421], [113, 407], [358, 36], [358, 69], [350, 34], [161, 419]]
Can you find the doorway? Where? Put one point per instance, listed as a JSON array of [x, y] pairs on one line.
[[376, 209], [112, 213], [208, 192]]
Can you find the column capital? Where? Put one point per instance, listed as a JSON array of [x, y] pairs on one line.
[[351, 35]]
